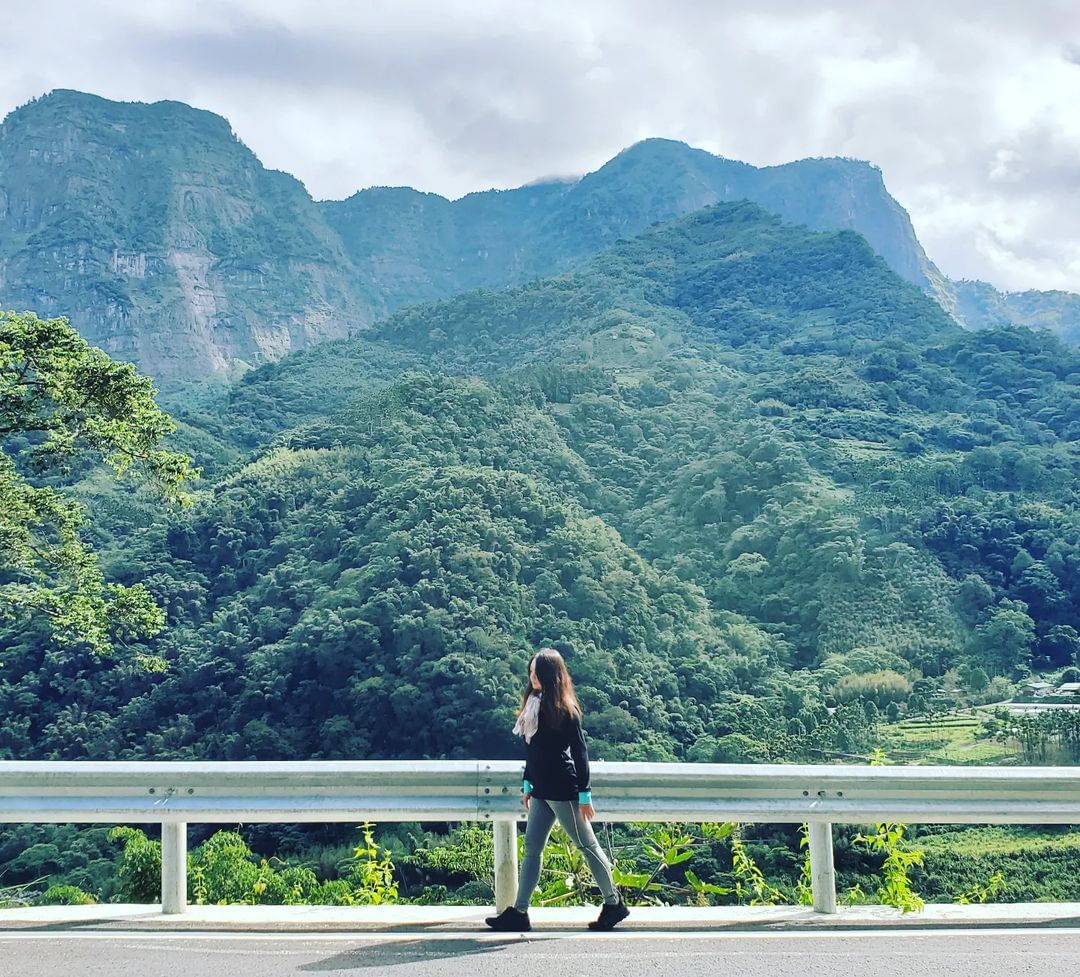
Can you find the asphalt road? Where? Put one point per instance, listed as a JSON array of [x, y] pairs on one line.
[[867, 953]]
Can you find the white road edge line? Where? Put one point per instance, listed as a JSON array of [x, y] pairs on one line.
[[150, 936]]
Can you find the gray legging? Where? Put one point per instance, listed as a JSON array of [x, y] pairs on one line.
[[542, 815]]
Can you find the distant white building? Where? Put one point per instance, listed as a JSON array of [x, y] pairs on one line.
[[1039, 689], [1069, 688]]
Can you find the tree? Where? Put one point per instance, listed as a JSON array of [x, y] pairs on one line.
[[881, 687], [974, 595], [1006, 637], [978, 681], [1061, 645], [911, 442], [63, 404]]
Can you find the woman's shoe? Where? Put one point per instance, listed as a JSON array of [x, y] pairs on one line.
[[511, 920], [611, 914]]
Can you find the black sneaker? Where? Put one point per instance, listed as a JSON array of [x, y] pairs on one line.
[[611, 914], [511, 920]]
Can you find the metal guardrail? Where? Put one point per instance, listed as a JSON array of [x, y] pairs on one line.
[[175, 794]]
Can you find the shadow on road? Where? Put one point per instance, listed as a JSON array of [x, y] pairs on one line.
[[379, 955]]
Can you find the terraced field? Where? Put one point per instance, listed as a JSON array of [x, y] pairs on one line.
[[967, 738]]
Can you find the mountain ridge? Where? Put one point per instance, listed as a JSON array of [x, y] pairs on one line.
[[597, 209], [167, 242], [483, 331], [981, 306]]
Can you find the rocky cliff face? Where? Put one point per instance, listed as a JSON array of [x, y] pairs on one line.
[[164, 239]]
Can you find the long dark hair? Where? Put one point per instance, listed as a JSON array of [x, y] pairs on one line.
[[559, 701]]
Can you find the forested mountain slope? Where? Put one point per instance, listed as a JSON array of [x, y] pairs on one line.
[[754, 485], [741, 273]]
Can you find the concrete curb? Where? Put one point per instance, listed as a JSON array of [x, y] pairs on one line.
[[470, 919]]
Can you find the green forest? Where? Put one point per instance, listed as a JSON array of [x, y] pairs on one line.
[[769, 501]]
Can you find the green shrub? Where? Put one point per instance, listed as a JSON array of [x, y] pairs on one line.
[[65, 895], [138, 871], [224, 870]]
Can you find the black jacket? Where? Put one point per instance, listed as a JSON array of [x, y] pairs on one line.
[[557, 761]]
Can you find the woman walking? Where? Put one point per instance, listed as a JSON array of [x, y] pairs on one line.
[[556, 786]]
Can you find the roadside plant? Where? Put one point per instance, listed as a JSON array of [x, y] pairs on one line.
[[223, 870], [899, 859], [981, 893], [751, 886], [665, 846], [65, 895], [469, 850], [138, 870], [373, 871]]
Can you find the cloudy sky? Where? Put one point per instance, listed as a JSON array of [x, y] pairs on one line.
[[970, 107]]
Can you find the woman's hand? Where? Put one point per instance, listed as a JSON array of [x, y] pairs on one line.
[[588, 812], [525, 798]]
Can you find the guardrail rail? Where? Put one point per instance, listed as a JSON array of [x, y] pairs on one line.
[[176, 794]]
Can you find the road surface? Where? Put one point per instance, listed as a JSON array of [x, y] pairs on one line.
[[868, 953]]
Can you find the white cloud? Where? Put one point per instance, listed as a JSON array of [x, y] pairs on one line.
[[968, 106]]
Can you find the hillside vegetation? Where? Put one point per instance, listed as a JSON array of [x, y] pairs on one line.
[[758, 489]]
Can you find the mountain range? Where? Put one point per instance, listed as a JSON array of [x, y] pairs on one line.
[[167, 243]]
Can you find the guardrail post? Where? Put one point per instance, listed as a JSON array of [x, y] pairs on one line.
[[506, 863], [173, 867], [822, 873]]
